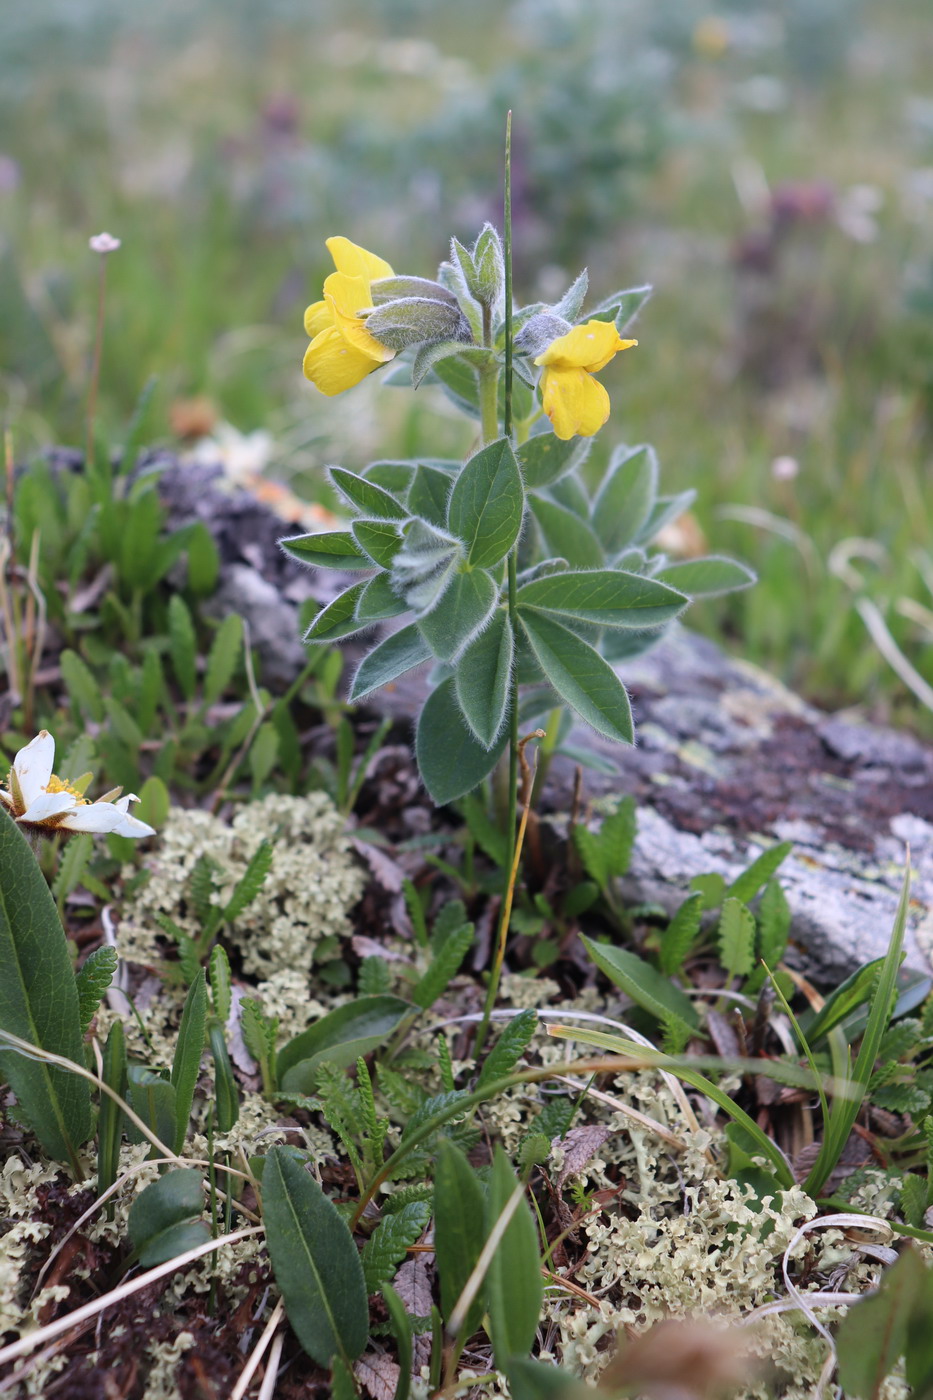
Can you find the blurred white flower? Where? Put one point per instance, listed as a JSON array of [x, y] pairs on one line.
[[856, 210], [103, 243], [39, 801], [785, 468], [243, 456]]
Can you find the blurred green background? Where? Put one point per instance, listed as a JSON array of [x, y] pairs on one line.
[[767, 166]]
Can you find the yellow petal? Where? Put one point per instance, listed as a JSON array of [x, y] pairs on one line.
[[576, 403], [345, 296], [317, 319], [588, 347], [335, 365], [356, 261]]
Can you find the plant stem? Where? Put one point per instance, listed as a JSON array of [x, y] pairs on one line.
[[95, 366]]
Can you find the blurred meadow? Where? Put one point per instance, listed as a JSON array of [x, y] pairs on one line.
[[768, 167]]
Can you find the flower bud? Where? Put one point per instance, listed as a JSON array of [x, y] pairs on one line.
[[392, 288], [482, 267], [416, 321], [540, 331]]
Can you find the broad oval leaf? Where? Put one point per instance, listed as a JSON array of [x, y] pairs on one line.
[[338, 619], [707, 578], [39, 1001], [330, 549], [580, 676], [397, 654], [395, 477], [565, 534], [545, 458], [461, 613], [315, 1262], [451, 761], [482, 679], [163, 1218], [609, 597], [459, 1207], [487, 504], [366, 495], [378, 601], [381, 540], [626, 497], [340, 1037], [640, 981], [428, 494]]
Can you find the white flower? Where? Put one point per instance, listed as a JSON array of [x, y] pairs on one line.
[[103, 243], [42, 802]]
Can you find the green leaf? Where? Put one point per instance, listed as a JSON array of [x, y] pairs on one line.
[[774, 921], [482, 677], [538, 1380], [381, 540], [425, 564], [315, 1262], [338, 619], [93, 978], [639, 980], [679, 936], [565, 534], [622, 307], [226, 1098], [340, 1038], [123, 724], [331, 549], [626, 497], [152, 1098], [203, 559], [186, 1064], [747, 885], [366, 496], [401, 1326], [110, 1118], [545, 458], [580, 676], [607, 597], [263, 755], [707, 578], [162, 1221], [450, 760], [514, 1286], [221, 995], [666, 510], [73, 864], [736, 938], [391, 658], [83, 690], [607, 853], [443, 968], [183, 647], [460, 615], [378, 601], [846, 998], [249, 883], [428, 493], [487, 504], [395, 477], [459, 1208], [509, 1048], [711, 887], [873, 1335], [390, 1241], [39, 1001]]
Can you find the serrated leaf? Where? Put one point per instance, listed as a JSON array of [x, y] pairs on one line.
[[513, 1283], [607, 853], [639, 980], [482, 677], [747, 885], [368, 497], [92, 979], [736, 937], [460, 615], [565, 534], [161, 1220], [250, 882], [223, 657], [390, 1241], [707, 578], [509, 1048], [451, 761], [626, 498], [679, 936], [315, 1262], [459, 1208], [339, 1038], [398, 653], [221, 992], [330, 549], [73, 864], [183, 647], [39, 1001], [545, 458], [339, 618], [443, 967], [186, 1064], [487, 504], [83, 690], [580, 676], [606, 597]]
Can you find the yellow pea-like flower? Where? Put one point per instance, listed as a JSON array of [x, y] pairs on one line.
[[342, 351], [576, 402]]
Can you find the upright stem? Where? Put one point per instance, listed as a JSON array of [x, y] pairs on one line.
[[95, 366]]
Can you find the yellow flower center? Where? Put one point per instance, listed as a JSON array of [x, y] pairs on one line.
[[59, 785]]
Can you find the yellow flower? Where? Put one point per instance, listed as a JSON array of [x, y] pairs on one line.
[[576, 403], [342, 351]]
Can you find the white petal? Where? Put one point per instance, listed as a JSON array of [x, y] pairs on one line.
[[48, 805], [123, 803], [33, 766], [106, 817]]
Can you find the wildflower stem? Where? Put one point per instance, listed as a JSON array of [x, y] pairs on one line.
[[95, 365]]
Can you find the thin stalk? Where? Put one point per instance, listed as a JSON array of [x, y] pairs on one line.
[[95, 366]]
